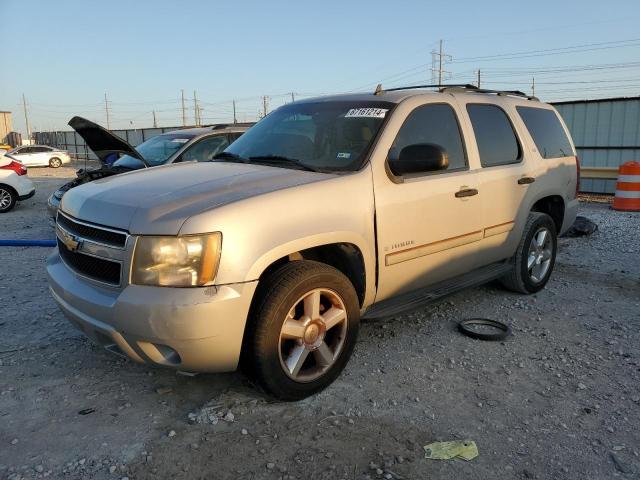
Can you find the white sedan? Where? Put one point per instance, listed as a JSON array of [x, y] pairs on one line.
[[14, 184], [40, 156]]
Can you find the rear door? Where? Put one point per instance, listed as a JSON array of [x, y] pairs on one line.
[[427, 231], [41, 155], [504, 178]]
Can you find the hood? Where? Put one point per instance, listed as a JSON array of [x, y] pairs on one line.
[[159, 200], [102, 141]]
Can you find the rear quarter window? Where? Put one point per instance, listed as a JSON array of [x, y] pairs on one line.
[[547, 132]]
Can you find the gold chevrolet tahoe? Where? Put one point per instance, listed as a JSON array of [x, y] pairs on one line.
[[328, 210]]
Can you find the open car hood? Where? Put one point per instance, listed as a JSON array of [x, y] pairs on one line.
[[102, 141]]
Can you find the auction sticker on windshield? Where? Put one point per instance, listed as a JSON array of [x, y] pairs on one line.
[[367, 112]]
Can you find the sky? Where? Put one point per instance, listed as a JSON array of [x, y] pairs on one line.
[[66, 55]]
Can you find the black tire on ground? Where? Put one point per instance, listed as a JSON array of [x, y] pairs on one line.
[[519, 279], [8, 198], [276, 296], [55, 162]]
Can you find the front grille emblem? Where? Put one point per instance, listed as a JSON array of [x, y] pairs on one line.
[[70, 241]]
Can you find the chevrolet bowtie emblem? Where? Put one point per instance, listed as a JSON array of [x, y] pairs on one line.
[[72, 242]]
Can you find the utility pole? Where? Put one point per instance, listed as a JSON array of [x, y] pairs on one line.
[[196, 113], [533, 86], [155, 124], [478, 78], [293, 98], [106, 110], [440, 66], [26, 117], [184, 112], [235, 120], [265, 107], [441, 59]]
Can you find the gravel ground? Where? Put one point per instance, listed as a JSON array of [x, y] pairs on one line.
[[558, 399]]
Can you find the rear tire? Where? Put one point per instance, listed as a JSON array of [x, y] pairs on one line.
[[55, 162], [302, 329], [8, 198], [536, 255]]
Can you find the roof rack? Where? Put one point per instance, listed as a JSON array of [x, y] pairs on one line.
[[461, 87], [222, 126]]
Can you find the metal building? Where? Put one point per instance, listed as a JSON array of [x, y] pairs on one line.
[[606, 133], [5, 126]]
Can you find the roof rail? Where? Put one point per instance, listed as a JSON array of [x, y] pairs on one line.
[[461, 87], [474, 89], [380, 90], [222, 126]]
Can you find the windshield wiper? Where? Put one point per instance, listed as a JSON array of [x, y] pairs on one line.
[[231, 157], [279, 159]]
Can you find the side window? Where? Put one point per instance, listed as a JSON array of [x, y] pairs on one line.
[[494, 134], [205, 149], [547, 132], [436, 124], [233, 136], [26, 150]]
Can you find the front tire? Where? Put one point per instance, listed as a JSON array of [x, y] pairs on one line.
[[302, 329], [8, 198], [55, 162], [536, 255]]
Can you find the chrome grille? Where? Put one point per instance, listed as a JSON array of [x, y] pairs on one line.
[[93, 267], [91, 250], [93, 233]]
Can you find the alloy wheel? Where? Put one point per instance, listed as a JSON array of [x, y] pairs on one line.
[[5, 199], [313, 335], [540, 255]]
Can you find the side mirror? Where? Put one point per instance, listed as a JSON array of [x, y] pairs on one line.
[[420, 158]]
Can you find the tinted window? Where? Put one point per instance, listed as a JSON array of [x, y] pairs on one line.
[[205, 149], [436, 124], [495, 137], [547, 132]]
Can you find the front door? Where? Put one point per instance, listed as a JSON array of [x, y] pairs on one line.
[[428, 225]]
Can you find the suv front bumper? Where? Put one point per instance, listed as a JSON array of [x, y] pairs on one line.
[[190, 329]]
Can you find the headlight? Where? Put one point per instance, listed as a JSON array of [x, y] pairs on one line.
[[188, 261]]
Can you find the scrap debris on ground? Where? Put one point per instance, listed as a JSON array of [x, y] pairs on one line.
[[560, 399]]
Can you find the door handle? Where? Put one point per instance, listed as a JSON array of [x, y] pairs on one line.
[[526, 180], [466, 192]]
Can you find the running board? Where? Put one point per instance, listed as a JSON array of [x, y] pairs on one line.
[[419, 298]]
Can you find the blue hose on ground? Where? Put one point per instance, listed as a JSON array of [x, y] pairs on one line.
[[27, 243]]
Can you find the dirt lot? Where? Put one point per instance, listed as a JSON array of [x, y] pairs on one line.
[[559, 399]]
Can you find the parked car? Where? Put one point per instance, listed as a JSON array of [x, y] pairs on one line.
[[40, 156], [327, 210], [187, 145], [14, 184]]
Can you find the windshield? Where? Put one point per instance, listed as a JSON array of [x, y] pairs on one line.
[[324, 136], [156, 150]]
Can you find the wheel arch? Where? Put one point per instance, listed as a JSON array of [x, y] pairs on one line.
[[552, 205], [347, 254], [6, 185]]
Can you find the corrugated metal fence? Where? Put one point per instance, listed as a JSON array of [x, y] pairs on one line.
[[606, 134]]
